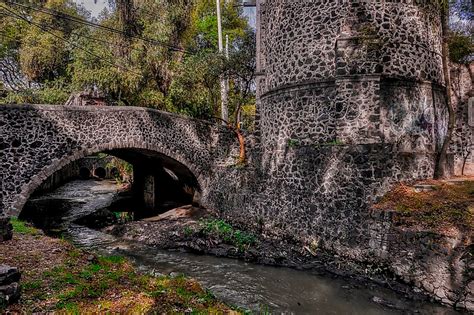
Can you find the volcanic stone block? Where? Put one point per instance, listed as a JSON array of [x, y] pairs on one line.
[[6, 229], [10, 293], [9, 275], [10, 290]]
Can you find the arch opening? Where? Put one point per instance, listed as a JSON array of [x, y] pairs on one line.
[[150, 182], [84, 173], [100, 172]]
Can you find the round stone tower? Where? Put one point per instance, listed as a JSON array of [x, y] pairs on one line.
[[350, 101], [350, 72]]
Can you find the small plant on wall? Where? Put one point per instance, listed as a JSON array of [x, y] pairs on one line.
[[293, 143]]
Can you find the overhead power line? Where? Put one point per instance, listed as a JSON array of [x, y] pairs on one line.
[[93, 38], [101, 58], [59, 14]]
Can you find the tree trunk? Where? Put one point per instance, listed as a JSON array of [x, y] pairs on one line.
[[242, 154], [464, 163], [127, 21], [441, 169], [240, 138]]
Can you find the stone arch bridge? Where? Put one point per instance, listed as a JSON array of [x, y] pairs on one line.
[[39, 140]]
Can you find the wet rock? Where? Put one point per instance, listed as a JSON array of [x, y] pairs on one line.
[[6, 229], [387, 304], [467, 302], [175, 274]]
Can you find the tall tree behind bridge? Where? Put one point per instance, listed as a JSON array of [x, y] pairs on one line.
[[154, 53]]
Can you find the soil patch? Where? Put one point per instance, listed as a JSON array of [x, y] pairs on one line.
[[448, 206]]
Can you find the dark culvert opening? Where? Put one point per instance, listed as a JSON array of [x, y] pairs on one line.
[[100, 172], [160, 183], [84, 173]]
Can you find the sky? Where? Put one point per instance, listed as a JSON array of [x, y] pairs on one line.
[[96, 6]]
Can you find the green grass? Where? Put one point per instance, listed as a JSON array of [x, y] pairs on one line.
[[335, 142], [188, 231], [81, 285], [31, 285], [227, 233], [22, 227], [68, 307]]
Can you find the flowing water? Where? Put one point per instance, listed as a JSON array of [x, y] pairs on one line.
[[254, 287]]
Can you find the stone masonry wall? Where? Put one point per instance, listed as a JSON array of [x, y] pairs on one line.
[[38, 140], [351, 101]]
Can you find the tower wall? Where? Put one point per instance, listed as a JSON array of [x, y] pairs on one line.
[[350, 72], [350, 101]]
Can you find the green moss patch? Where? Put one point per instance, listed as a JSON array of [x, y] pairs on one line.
[[219, 229], [22, 227]]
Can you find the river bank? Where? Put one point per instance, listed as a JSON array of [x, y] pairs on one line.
[[422, 243], [328, 285], [58, 277], [204, 234]]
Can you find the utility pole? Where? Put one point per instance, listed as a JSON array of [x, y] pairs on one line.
[[224, 85]]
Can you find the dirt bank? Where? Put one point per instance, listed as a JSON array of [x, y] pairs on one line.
[[56, 277]]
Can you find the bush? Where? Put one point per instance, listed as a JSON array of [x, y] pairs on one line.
[[461, 48], [227, 233]]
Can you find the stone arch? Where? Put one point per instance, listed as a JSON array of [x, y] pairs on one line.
[[57, 164]]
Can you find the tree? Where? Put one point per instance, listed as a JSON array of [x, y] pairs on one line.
[[35, 50], [461, 8], [11, 34], [153, 53], [195, 89], [441, 169]]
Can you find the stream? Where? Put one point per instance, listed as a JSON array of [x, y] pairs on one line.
[[254, 287]]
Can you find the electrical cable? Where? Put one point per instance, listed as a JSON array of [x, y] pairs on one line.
[[18, 16], [71, 18]]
